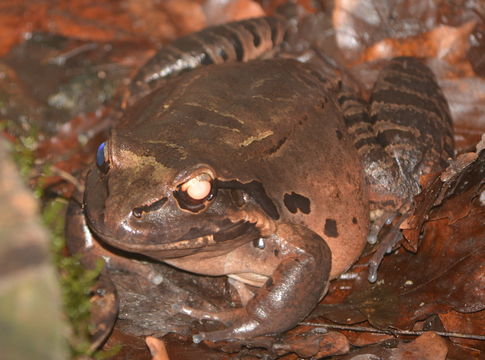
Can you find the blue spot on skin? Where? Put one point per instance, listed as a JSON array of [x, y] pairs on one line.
[[100, 155]]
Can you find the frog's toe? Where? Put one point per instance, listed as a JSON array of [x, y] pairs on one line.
[[385, 247], [384, 219], [372, 238], [210, 336], [198, 338]]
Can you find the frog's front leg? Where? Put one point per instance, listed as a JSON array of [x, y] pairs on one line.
[[297, 261]]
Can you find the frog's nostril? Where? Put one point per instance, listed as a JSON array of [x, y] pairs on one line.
[[139, 211]]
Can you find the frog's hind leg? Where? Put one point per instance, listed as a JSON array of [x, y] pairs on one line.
[[236, 41], [412, 122], [381, 172], [404, 133]]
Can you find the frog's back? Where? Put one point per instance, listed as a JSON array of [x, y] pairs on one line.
[[274, 122]]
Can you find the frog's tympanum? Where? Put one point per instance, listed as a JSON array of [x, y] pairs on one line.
[[260, 169]]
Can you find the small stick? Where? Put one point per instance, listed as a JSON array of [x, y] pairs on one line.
[[393, 332]]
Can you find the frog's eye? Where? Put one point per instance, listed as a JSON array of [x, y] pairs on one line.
[[195, 193], [198, 188], [102, 158]]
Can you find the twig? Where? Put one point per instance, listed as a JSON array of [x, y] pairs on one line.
[[393, 332], [68, 177]]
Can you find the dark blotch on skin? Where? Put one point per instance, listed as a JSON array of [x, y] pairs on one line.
[[222, 53], [238, 46], [256, 190], [354, 220], [295, 202], [254, 32], [233, 37], [330, 228], [206, 59], [339, 134], [274, 30]]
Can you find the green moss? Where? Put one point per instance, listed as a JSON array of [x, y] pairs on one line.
[[75, 280], [23, 150], [76, 284]]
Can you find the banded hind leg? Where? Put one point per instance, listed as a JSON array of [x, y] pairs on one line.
[[237, 41], [403, 133]]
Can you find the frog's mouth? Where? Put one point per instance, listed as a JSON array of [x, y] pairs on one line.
[[219, 238]]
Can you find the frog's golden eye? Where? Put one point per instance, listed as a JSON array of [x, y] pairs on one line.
[[198, 188], [194, 194]]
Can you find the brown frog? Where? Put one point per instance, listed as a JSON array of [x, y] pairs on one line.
[[260, 170]]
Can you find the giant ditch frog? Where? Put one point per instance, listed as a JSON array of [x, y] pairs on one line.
[[258, 169]]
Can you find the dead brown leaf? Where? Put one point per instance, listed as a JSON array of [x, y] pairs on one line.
[[443, 42], [428, 346], [157, 348], [270, 6], [445, 274], [111, 20], [360, 24], [132, 347], [218, 12], [307, 343], [476, 53], [466, 323]]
